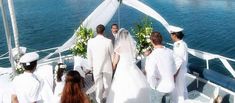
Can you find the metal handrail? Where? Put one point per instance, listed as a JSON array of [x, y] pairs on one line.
[[4, 54], [213, 56], [228, 67], [38, 51]]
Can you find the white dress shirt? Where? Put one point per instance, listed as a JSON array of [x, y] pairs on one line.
[[160, 68], [27, 88], [115, 35]]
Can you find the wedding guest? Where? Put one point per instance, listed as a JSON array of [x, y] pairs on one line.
[[59, 81], [26, 87], [114, 29], [60, 72], [180, 49], [160, 69], [72, 92]]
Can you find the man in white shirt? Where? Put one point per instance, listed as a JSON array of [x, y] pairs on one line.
[[26, 87], [181, 59], [99, 52], [160, 69]]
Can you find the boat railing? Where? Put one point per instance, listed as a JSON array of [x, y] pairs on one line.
[[5, 55], [209, 56], [197, 53]]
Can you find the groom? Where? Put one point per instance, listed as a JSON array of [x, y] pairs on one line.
[[99, 52]]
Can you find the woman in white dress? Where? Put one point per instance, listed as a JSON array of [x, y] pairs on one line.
[[59, 81], [129, 84]]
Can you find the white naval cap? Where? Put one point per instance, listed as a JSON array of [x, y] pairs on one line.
[[15, 51], [173, 29], [29, 57]]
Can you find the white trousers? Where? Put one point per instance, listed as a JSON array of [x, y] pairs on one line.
[[102, 83], [180, 92]]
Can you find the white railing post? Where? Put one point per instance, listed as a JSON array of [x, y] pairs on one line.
[[207, 64], [14, 27], [61, 61]]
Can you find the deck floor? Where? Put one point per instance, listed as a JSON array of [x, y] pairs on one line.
[[90, 91], [89, 87]]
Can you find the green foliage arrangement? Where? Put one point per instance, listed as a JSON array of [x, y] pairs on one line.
[[83, 35], [142, 33], [18, 70]]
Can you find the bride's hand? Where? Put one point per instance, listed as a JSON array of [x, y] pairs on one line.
[[147, 52], [115, 60]]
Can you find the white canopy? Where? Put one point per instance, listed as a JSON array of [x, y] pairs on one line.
[[104, 13]]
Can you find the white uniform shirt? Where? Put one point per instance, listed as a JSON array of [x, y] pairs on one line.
[[27, 88], [181, 54], [160, 68]]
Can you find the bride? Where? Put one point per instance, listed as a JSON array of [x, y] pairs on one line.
[[129, 84]]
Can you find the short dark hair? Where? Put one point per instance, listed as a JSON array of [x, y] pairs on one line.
[[31, 66], [100, 29], [60, 72], [179, 35], [114, 25], [156, 38]]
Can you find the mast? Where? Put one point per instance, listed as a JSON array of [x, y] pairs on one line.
[[14, 26], [8, 35]]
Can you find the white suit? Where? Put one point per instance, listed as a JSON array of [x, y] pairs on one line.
[[99, 52], [181, 60]]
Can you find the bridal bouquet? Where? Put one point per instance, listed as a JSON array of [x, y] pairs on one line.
[[83, 35], [142, 33]]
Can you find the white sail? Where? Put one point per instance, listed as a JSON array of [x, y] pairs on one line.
[[104, 13], [101, 15], [146, 10]]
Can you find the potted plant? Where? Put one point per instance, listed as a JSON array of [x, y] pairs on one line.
[[142, 32], [83, 35], [80, 49]]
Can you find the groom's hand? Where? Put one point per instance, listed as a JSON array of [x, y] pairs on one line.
[[147, 52], [144, 72]]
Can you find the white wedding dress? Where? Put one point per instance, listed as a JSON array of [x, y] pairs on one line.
[[129, 84]]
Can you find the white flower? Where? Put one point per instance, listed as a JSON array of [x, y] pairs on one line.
[[144, 49], [80, 40], [148, 40]]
